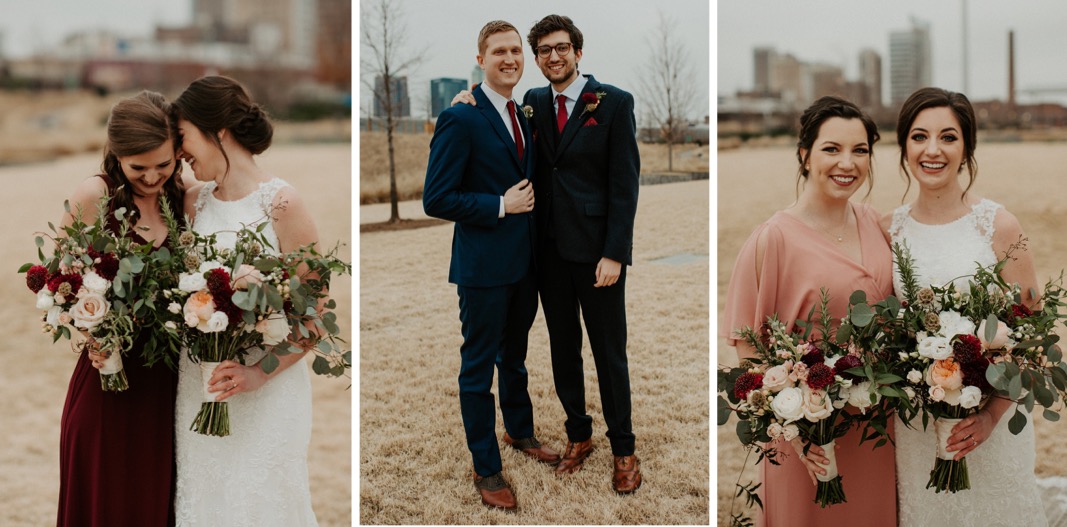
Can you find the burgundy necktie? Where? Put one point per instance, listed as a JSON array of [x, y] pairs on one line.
[[515, 128], [561, 112]]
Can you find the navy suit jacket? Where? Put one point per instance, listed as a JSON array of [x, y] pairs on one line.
[[587, 176], [473, 161]]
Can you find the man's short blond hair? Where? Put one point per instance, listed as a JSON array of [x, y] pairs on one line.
[[492, 28]]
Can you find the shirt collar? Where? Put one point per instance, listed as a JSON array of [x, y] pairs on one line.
[[574, 91], [499, 101]]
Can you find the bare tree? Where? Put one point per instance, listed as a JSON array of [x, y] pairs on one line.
[[384, 35], [670, 90]]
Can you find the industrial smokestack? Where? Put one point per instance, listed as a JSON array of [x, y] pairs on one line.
[[1011, 68]]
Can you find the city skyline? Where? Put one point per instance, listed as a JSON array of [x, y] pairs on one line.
[[837, 30]]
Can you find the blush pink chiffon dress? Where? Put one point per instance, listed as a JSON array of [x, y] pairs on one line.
[[797, 263]]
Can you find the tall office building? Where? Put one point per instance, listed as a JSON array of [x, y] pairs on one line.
[[826, 79], [399, 96], [763, 60], [788, 79], [441, 93], [477, 75], [910, 61], [870, 80]]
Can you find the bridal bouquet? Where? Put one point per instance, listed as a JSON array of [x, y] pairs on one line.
[[231, 301], [100, 283], [957, 348], [798, 386]]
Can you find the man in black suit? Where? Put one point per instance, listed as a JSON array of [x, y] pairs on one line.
[[587, 172]]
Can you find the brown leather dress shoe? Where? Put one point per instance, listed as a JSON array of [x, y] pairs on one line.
[[533, 448], [574, 457], [627, 476], [495, 491]]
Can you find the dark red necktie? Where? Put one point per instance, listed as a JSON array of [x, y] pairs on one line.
[[515, 128], [561, 112]]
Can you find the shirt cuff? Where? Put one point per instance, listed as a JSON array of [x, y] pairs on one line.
[[501, 213]]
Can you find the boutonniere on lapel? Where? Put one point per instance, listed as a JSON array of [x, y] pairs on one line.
[[528, 111], [591, 101]]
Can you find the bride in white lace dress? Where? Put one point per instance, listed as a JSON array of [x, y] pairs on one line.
[[947, 230], [256, 476]]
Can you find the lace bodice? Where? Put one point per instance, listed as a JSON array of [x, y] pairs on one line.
[[1002, 468], [224, 217], [969, 237]]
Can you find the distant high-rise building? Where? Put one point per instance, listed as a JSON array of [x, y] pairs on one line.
[[910, 61], [787, 80], [477, 75], [283, 30], [825, 79], [870, 96], [441, 93], [763, 60], [399, 96]]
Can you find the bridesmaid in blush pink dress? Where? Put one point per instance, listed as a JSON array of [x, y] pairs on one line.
[[821, 241]]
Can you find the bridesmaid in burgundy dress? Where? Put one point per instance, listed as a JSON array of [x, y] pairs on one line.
[[822, 240], [116, 449]]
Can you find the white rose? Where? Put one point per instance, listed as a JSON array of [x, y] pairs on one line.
[[774, 430], [776, 378], [860, 396], [45, 299], [937, 393], [170, 325], [817, 405], [952, 324], [192, 320], [52, 318], [970, 396], [216, 323], [209, 265], [1000, 340], [787, 405], [191, 282], [90, 310], [914, 376], [790, 432], [275, 329], [936, 348], [175, 308], [910, 392], [95, 283]]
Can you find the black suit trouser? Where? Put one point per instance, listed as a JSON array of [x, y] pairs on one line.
[[567, 294]]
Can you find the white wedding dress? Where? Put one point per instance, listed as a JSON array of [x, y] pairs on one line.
[[257, 476], [1003, 486]]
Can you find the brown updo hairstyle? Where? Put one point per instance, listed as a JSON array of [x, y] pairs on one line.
[[216, 103], [812, 120], [936, 98], [137, 125]]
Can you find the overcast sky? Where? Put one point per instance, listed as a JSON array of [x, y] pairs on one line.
[[28, 26], [834, 31], [615, 52]]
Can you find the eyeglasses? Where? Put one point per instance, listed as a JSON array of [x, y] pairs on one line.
[[561, 50]]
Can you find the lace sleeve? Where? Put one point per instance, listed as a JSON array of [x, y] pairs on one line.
[[985, 212], [267, 192], [899, 216], [201, 198]]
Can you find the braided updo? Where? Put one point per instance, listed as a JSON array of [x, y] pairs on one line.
[[216, 103]]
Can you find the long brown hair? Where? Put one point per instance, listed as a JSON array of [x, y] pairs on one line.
[[137, 125], [217, 103]]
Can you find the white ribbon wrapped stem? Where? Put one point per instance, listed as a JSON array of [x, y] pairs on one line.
[[112, 364], [943, 427], [831, 467], [206, 369]]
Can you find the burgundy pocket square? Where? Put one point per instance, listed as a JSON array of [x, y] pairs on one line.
[[590, 122]]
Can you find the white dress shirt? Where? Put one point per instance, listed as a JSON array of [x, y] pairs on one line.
[[500, 103], [572, 92]]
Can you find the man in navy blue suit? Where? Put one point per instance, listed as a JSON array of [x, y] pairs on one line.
[[479, 176], [588, 174]]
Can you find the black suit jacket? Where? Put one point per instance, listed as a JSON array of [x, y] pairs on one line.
[[587, 177]]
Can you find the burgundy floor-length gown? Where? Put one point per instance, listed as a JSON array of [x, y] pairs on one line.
[[116, 449], [798, 262]]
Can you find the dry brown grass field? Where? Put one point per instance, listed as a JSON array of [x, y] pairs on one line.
[[1027, 178], [412, 150], [414, 464], [33, 381]]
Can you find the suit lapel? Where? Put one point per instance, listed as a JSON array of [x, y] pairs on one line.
[[490, 114], [574, 122]]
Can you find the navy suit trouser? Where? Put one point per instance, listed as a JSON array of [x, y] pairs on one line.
[[567, 293], [496, 326]]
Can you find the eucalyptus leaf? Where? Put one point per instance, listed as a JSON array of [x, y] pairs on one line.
[[1017, 422], [269, 363]]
